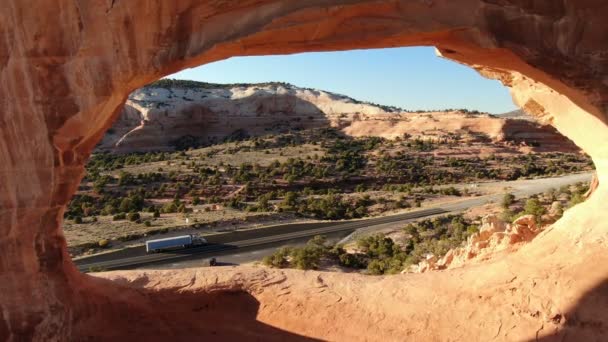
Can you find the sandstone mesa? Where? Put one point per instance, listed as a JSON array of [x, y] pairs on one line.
[[155, 116]]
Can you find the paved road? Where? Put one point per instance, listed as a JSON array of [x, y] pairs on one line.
[[261, 237], [250, 245]]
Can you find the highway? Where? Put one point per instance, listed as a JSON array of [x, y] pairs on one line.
[[243, 246], [266, 236]]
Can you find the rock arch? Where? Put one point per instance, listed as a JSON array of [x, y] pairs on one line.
[[63, 77]]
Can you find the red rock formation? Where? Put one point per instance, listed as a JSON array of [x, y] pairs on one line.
[[494, 239], [67, 66]]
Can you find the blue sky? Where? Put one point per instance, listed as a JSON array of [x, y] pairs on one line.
[[411, 78]]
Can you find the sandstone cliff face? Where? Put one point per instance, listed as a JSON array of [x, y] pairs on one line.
[[65, 76], [155, 117], [160, 117]]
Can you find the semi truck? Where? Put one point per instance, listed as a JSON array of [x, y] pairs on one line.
[[176, 242]]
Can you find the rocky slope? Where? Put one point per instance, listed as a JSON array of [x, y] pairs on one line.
[[495, 237], [64, 78], [172, 113]]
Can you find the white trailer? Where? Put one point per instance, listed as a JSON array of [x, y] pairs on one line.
[[176, 242]]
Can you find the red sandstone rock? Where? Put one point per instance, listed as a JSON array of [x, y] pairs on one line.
[[493, 239], [67, 66]]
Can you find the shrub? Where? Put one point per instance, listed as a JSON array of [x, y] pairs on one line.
[[290, 200], [133, 216], [533, 207], [576, 199], [507, 215], [182, 208], [125, 178], [558, 209], [121, 216], [360, 188], [507, 200], [108, 210], [376, 246], [377, 267], [278, 259], [147, 223], [308, 257], [451, 191], [78, 220], [170, 207], [94, 269], [352, 260]]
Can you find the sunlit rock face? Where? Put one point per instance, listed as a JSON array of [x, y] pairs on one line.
[[159, 117], [174, 114], [66, 67]]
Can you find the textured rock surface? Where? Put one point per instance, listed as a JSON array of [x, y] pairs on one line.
[[494, 239], [66, 67], [540, 292], [156, 118]]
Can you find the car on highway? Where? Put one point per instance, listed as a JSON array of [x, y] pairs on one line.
[[212, 262]]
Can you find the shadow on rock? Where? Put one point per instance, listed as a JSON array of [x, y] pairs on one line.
[[174, 315], [587, 321]]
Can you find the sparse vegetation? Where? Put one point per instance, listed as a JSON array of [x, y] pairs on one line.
[[378, 254], [313, 174]]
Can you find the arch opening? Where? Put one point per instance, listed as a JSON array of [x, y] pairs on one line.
[[245, 127]]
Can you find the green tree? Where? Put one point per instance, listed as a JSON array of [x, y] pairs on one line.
[[352, 260], [307, 257], [125, 178], [534, 207], [290, 200], [412, 231], [377, 266]]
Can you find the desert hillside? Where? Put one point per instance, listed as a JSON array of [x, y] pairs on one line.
[[171, 114]]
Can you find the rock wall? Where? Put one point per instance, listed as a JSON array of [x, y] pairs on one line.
[[210, 114], [66, 68], [159, 117]]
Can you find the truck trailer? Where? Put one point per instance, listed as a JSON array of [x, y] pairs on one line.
[[176, 242]]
